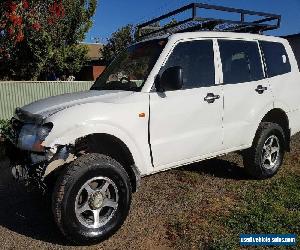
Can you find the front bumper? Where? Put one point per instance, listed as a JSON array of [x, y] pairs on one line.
[[31, 168], [25, 170]]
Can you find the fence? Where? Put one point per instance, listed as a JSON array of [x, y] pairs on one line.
[[18, 94]]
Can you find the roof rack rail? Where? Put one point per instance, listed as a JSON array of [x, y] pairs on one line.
[[197, 23]]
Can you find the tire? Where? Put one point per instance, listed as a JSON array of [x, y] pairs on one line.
[[261, 161], [93, 184]]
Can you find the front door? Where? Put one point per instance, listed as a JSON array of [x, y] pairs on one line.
[[186, 124]]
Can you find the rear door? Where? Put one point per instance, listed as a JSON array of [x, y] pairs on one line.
[[283, 75], [187, 124], [247, 93], [282, 78]]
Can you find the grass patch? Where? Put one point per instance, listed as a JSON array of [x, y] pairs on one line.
[[215, 211], [274, 209]]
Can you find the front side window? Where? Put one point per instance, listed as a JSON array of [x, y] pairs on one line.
[[197, 60], [276, 58], [131, 68], [241, 61]]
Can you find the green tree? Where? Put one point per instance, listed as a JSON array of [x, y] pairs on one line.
[[118, 41], [38, 35], [69, 59], [125, 36]]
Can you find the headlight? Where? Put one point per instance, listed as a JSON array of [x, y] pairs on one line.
[[32, 136]]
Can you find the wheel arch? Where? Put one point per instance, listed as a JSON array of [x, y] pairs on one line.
[[114, 147], [279, 117]]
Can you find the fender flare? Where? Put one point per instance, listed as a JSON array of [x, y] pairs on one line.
[[282, 108]]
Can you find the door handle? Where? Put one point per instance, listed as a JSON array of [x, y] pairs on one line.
[[260, 89], [210, 98]]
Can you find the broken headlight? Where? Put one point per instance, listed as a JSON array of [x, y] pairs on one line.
[[32, 136]]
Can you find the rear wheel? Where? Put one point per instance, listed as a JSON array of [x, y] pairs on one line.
[[91, 199], [265, 157]]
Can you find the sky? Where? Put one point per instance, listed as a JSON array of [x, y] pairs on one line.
[[113, 14]]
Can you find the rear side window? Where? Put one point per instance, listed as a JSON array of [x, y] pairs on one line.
[[197, 60], [241, 61], [276, 58]]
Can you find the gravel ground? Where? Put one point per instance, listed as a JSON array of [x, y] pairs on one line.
[[191, 193]]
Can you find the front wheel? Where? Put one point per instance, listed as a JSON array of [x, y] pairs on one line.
[[91, 199], [265, 157]]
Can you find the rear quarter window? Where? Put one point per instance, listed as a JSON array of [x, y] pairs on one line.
[[276, 58]]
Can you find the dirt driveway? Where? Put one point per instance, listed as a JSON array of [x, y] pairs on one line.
[[191, 194]]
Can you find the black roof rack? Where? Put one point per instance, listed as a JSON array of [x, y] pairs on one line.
[[260, 21]]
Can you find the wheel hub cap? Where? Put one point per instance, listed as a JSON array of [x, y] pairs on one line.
[[271, 152], [96, 200], [268, 151]]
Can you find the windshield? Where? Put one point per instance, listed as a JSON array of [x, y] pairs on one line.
[[131, 68]]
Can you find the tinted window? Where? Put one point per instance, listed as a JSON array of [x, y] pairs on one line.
[[197, 60], [241, 61], [276, 58]]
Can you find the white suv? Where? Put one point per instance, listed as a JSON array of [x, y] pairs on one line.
[[161, 104]]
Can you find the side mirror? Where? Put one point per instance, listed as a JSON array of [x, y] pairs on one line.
[[171, 79]]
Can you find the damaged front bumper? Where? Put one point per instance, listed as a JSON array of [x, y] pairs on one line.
[[33, 169], [31, 162]]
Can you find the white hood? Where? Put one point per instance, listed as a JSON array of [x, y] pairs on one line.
[[51, 105]]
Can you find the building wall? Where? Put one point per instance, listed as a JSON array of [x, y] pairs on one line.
[[90, 72], [97, 71], [94, 66]]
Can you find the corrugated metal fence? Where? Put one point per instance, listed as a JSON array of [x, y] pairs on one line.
[[18, 94]]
